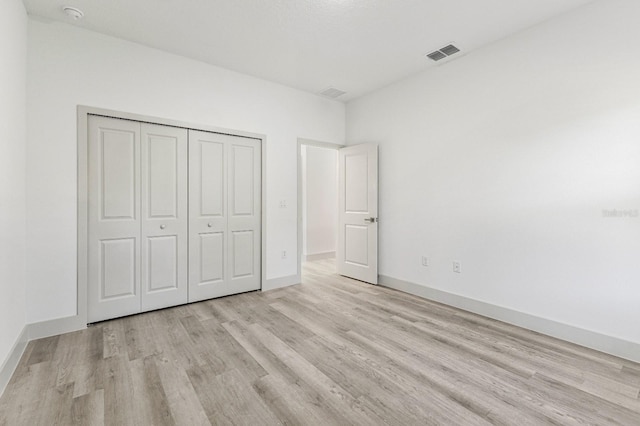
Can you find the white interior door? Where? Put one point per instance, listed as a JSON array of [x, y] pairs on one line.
[[114, 218], [357, 251], [224, 215], [164, 216]]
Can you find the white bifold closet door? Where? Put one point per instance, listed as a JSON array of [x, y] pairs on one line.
[[164, 217], [114, 218], [224, 214], [137, 217], [174, 216]]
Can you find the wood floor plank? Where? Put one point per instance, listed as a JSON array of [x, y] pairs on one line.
[[53, 407], [79, 360], [295, 403], [119, 405], [88, 409], [43, 349], [181, 397], [271, 363], [330, 351], [330, 391], [365, 378], [21, 400], [140, 342], [114, 339], [228, 399], [148, 392]]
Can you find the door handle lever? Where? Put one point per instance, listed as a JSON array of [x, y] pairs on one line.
[[371, 219]]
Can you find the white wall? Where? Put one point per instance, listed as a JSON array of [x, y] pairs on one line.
[[69, 66], [13, 60], [505, 159], [320, 208]]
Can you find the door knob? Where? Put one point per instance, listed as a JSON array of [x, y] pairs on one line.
[[371, 219], [163, 226], [209, 224]]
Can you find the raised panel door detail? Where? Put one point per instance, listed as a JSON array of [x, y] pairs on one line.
[[242, 180], [163, 169], [163, 263], [212, 178], [117, 268], [356, 245], [211, 257], [356, 178], [242, 251], [118, 174]]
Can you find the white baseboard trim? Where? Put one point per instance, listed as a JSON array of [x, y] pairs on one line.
[[319, 256], [590, 339], [280, 282], [38, 330], [10, 364], [31, 332]]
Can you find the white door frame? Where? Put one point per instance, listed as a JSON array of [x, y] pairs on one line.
[[317, 144], [83, 112]]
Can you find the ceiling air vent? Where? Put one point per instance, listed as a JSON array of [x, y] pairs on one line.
[[332, 92], [441, 54], [449, 50], [437, 55]]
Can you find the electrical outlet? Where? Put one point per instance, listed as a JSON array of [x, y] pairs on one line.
[[283, 204], [425, 261], [457, 266], [284, 254]]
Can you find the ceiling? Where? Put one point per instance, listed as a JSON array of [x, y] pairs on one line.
[[354, 45]]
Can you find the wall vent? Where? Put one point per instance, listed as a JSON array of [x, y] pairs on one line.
[[332, 92], [443, 53]]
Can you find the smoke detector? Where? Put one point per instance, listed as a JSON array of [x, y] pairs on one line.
[[443, 53], [72, 12], [332, 92]]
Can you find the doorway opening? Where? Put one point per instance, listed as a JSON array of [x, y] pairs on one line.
[[317, 202]]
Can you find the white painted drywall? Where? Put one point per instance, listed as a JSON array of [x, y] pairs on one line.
[[505, 159], [70, 66], [13, 64], [320, 199]]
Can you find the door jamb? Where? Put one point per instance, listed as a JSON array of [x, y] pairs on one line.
[[318, 144], [83, 112]]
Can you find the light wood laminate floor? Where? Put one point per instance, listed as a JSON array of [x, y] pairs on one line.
[[331, 351]]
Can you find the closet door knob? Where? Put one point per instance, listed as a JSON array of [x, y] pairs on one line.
[[210, 224], [163, 226]]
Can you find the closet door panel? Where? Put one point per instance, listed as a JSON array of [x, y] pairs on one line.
[[212, 193], [242, 254], [164, 216], [118, 268], [212, 246], [114, 218], [208, 242], [244, 216], [163, 263]]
